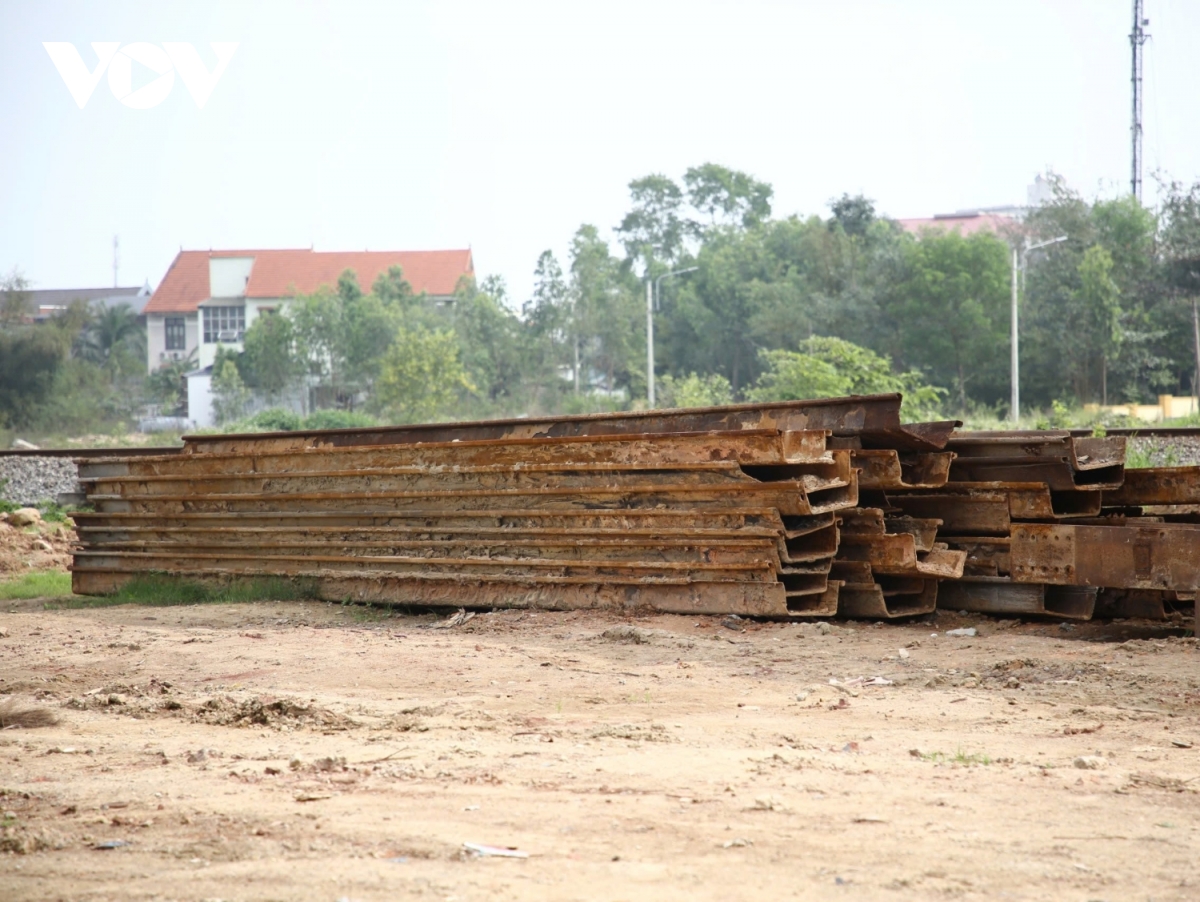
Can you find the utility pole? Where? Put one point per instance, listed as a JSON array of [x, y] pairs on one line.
[[116, 260], [1018, 271], [1014, 407], [653, 290], [650, 342], [1136, 39]]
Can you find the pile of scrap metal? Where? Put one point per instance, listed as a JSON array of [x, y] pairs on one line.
[[820, 508]]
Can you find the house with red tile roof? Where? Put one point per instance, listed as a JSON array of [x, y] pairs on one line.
[[210, 298], [966, 223]]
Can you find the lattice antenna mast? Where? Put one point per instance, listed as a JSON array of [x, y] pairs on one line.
[[1137, 38]]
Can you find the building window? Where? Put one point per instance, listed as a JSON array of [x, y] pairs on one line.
[[224, 324], [176, 330]]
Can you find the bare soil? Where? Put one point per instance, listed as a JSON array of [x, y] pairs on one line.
[[312, 751], [43, 546]]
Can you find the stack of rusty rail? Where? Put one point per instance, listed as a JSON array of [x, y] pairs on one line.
[[1049, 522], [798, 509], [719, 510]]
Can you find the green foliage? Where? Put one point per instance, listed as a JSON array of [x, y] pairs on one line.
[[728, 197], [166, 386], [273, 419], [338, 419], [830, 367], [229, 393], [14, 298], [421, 377], [30, 361], [39, 584], [269, 354], [951, 307], [694, 390]]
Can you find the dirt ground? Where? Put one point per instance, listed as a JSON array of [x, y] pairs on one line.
[[311, 751], [44, 546]]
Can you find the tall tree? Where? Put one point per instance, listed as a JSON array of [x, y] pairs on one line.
[[728, 197], [949, 308], [14, 298], [606, 314], [1181, 257], [654, 229]]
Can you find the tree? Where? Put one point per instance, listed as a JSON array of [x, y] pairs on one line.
[[854, 214], [950, 308], [549, 322], [728, 197], [606, 314], [653, 229], [269, 354], [30, 360], [421, 376], [489, 337], [1092, 319], [114, 339], [829, 367], [229, 393], [1181, 256], [166, 387], [694, 390], [392, 288], [14, 298]]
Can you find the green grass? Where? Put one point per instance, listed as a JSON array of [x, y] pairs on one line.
[[39, 584], [156, 590], [960, 758]]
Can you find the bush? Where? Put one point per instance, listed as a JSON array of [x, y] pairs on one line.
[[338, 419]]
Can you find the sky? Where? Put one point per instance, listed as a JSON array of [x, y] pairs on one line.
[[503, 126]]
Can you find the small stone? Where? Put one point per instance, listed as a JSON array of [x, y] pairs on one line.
[[1089, 762], [904, 654], [25, 516], [966, 632], [43, 545]]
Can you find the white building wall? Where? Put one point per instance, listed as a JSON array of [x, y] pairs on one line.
[[227, 276], [200, 409], [156, 338]]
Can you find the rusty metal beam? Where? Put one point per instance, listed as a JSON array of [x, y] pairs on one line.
[[1156, 486], [853, 414], [1160, 556], [613, 595], [756, 446], [889, 469], [878, 601], [1006, 598]]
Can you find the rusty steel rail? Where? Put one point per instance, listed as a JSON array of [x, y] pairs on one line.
[[1006, 598], [798, 509], [1153, 486], [854, 415]]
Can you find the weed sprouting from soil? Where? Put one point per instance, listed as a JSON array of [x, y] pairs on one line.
[[960, 757]]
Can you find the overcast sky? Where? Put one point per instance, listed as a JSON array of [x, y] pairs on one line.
[[504, 125]]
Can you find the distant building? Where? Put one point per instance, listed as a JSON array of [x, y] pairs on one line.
[[210, 298], [965, 223], [992, 219], [48, 302]]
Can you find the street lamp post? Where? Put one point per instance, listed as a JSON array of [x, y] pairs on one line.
[[1018, 265], [652, 288]]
